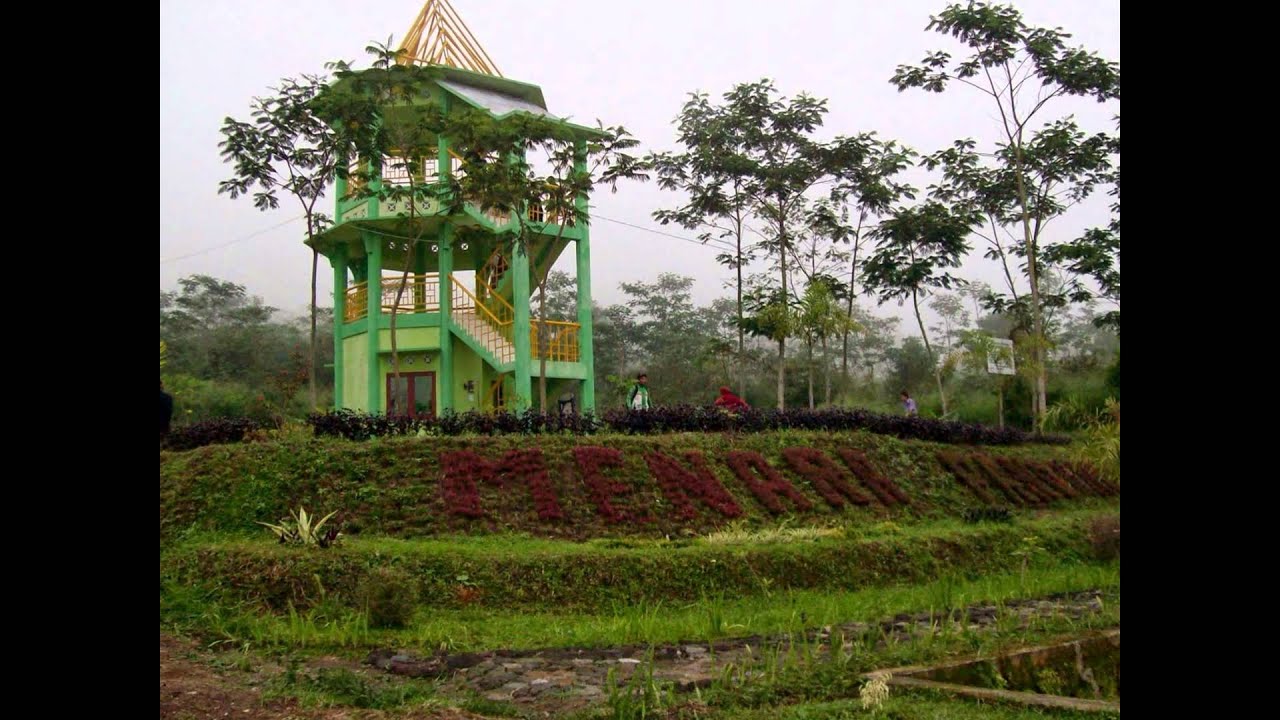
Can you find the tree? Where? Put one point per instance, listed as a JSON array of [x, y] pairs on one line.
[[910, 365], [285, 148], [950, 308], [772, 315], [711, 172], [877, 336], [1096, 255], [215, 329], [975, 348], [561, 296], [781, 162], [914, 249], [975, 292], [821, 318], [872, 190], [389, 135], [1021, 69], [669, 332], [615, 336]]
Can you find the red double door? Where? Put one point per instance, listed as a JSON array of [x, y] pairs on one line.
[[414, 395]]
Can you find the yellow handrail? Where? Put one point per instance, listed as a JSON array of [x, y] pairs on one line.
[[464, 299], [357, 302], [497, 314], [496, 403], [562, 340], [492, 330], [422, 294]]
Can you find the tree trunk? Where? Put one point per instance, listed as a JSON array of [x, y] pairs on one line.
[[782, 373], [741, 361], [544, 341], [395, 310], [1037, 320], [853, 277], [826, 370], [782, 340], [937, 369], [809, 344], [311, 366]]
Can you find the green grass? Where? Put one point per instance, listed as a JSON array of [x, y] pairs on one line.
[[391, 486], [487, 547], [331, 627], [916, 705], [806, 672], [340, 687], [533, 575], [805, 679]]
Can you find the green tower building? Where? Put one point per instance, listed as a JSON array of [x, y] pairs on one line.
[[465, 337]]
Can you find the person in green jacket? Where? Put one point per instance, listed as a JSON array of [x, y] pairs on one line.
[[638, 396]]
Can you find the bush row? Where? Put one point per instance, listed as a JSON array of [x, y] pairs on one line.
[[680, 418]]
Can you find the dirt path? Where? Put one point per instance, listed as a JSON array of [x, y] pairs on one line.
[[193, 687], [564, 679], [199, 683]]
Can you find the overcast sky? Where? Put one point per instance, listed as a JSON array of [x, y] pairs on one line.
[[624, 62]]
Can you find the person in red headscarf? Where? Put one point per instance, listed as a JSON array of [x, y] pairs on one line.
[[729, 401]]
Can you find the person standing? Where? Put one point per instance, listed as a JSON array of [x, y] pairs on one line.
[[638, 396], [908, 404]]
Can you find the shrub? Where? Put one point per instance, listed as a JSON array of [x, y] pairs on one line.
[[1104, 536], [680, 418], [987, 514], [209, 432], [389, 597]]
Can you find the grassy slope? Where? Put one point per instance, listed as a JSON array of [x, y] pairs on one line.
[[392, 486]]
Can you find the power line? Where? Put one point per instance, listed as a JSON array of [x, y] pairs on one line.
[[233, 242], [724, 244], [721, 244], [715, 243]]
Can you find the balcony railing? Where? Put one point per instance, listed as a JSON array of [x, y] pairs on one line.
[[558, 338], [485, 315], [421, 295]]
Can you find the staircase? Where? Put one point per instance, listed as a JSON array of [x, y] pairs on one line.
[[486, 323], [487, 335]]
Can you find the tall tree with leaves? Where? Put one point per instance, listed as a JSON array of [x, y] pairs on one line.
[[710, 172], [772, 314], [915, 248], [1021, 69], [215, 329], [822, 318], [870, 189], [954, 317], [1096, 254], [782, 162], [576, 167], [819, 257], [285, 148]]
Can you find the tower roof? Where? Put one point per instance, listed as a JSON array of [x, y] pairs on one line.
[[438, 36]]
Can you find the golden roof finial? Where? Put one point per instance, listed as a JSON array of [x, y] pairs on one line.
[[439, 37]]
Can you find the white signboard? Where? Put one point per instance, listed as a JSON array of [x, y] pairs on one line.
[[1000, 359]]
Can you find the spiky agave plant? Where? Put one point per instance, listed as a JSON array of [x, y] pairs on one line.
[[301, 530]]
